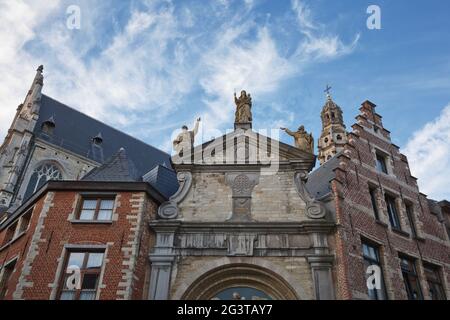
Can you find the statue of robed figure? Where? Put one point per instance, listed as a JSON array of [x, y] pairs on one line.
[[303, 140], [185, 139], [243, 108]]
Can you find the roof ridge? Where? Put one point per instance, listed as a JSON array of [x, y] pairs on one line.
[[127, 171]]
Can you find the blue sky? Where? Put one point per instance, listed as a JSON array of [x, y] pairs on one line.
[[148, 67]]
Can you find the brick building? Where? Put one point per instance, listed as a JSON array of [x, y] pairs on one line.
[[95, 224], [246, 218], [382, 218]]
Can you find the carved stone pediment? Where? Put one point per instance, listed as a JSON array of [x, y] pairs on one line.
[[245, 147]]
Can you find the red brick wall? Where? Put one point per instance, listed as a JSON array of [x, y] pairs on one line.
[[119, 237], [355, 218], [18, 248]]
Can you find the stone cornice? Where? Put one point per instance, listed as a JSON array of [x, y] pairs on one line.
[[254, 226]]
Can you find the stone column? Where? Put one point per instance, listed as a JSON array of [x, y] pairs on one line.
[[321, 263], [322, 279], [162, 259]]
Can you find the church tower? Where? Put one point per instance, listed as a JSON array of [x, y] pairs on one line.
[[14, 150], [334, 135]]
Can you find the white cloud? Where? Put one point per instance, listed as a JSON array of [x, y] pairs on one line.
[[255, 66], [135, 73], [18, 21], [234, 63], [428, 153], [317, 43]]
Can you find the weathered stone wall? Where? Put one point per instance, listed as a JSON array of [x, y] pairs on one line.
[[294, 270], [274, 198]]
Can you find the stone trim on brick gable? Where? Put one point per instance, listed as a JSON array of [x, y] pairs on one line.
[[33, 249], [130, 248]]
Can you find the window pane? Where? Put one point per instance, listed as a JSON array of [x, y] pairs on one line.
[[67, 295], [89, 281], [89, 204], [87, 214], [87, 295], [392, 212], [373, 199], [76, 259], [104, 215], [381, 163], [365, 250], [107, 204], [410, 213], [95, 260]]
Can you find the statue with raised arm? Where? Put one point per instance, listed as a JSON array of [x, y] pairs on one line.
[[303, 140], [185, 139], [243, 108]]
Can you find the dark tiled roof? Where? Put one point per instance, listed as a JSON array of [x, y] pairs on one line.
[[117, 168], [319, 180], [74, 131], [164, 179]]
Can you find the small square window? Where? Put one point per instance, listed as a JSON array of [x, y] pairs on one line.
[[89, 264], [25, 221], [392, 212], [411, 220], [371, 256], [8, 270], [434, 281], [381, 163], [373, 200], [410, 278], [100, 209]]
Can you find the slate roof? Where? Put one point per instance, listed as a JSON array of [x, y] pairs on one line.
[[74, 131], [3, 209], [164, 179], [318, 183], [119, 168]]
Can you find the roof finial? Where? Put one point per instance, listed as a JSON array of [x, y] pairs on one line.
[[327, 90]]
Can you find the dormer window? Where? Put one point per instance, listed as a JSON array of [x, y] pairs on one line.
[[48, 126], [339, 137], [98, 139]]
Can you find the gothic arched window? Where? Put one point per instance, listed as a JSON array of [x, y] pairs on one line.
[[40, 176]]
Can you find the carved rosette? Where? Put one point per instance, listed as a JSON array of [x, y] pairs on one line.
[[242, 185], [314, 208], [169, 209]]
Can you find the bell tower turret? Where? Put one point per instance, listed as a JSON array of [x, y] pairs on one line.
[[334, 134]]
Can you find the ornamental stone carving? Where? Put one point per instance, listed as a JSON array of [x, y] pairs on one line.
[[242, 185], [169, 209], [314, 208]]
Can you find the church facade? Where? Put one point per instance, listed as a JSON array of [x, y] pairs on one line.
[[100, 215]]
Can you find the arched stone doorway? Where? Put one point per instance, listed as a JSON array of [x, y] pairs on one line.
[[240, 281]]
